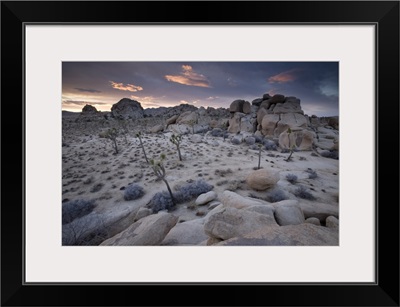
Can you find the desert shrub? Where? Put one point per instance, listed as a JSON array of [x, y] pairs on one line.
[[332, 154], [269, 145], [185, 193], [97, 187], [302, 192], [275, 196], [133, 191], [87, 230], [250, 140], [161, 201], [76, 208], [192, 190], [223, 172], [235, 141], [258, 138], [217, 132], [291, 178], [311, 173]]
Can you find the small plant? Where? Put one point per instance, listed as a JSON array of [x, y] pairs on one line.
[[159, 171], [133, 191], [235, 141], [74, 209], [177, 139], [275, 196], [161, 201], [112, 135], [291, 178], [302, 192], [192, 190], [139, 136], [311, 173]]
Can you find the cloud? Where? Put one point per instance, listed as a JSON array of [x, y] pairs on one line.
[[87, 90], [80, 103], [189, 77], [283, 77], [126, 87], [212, 98]]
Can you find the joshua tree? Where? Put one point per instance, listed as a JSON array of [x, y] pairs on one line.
[[176, 139], [259, 155], [139, 136], [159, 171], [123, 125], [112, 134], [292, 147]]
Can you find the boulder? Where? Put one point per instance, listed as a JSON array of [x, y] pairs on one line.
[[248, 124], [188, 118], [171, 120], [150, 230], [290, 120], [292, 235], [262, 179], [269, 123], [332, 222], [246, 108], [257, 102], [88, 109], [277, 99], [236, 106], [260, 115], [196, 138], [319, 210], [127, 109], [143, 212], [205, 198], [157, 128], [232, 222], [288, 212], [234, 123], [292, 106], [313, 220], [186, 233], [302, 139], [232, 199], [266, 96]]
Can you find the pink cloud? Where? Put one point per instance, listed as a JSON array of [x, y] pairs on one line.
[[284, 77], [189, 77], [126, 87]]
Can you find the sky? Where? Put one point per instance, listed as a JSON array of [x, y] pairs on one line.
[[214, 84]]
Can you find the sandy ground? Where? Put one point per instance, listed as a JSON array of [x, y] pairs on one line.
[[91, 170]]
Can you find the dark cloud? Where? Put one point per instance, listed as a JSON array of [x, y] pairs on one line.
[[87, 90], [80, 103]]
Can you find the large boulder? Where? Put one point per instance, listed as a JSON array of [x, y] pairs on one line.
[[171, 120], [234, 200], [290, 105], [150, 230], [292, 235], [319, 210], [278, 98], [262, 179], [302, 139], [236, 106], [189, 118], [157, 128], [268, 123], [290, 120], [127, 109], [288, 212], [205, 198], [186, 233], [248, 124], [231, 222], [89, 109], [246, 108], [257, 102], [235, 122]]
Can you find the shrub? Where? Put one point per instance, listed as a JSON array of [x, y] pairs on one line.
[[250, 140], [133, 191], [192, 190], [75, 209], [269, 145], [311, 173], [185, 193], [332, 154], [235, 141], [291, 178], [302, 192], [217, 132], [275, 196], [161, 201], [97, 187]]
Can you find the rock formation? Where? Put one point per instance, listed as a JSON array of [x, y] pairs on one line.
[[127, 109]]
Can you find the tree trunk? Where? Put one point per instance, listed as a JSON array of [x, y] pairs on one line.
[[170, 192], [259, 158], [179, 153]]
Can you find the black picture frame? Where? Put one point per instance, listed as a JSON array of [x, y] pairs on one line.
[[383, 14]]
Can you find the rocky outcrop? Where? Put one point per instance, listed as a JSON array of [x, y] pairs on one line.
[[288, 212], [186, 233], [205, 198], [150, 230], [127, 109], [292, 235]]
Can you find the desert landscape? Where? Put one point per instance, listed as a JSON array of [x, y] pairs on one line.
[[259, 172]]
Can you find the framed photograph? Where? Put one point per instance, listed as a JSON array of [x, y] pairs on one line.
[[200, 153]]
